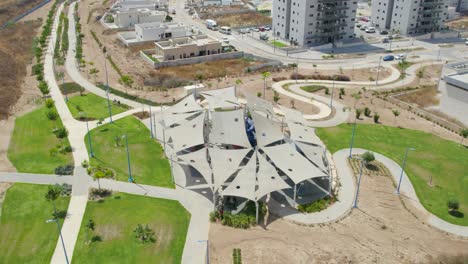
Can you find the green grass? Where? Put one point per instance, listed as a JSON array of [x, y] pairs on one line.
[[30, 145], [115, 221], [92, 106], [71, 87], [312, 88], [444, 160], [278, 44], [25, 235], [149, 165]]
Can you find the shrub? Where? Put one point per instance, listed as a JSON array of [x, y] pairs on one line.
[[49, 103], [59, 214], [376, 118], [213, 217], [259, 94], [236, 256], [453, 204], [37, 69], [61, 132], [315, 206], [100, 192], [278, 79], [52, 115], [84, 164], [327, 90], [358, 113], [367, 111], [64, 170], [96, 238], [368, 157]]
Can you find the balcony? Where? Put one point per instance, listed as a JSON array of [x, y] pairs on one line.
[[327, 34], [331, 8], [432, 4], [332, 1], [331, 16], [331, 25], [428, 19]]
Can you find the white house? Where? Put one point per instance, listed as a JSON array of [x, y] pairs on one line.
[[137, 4], [129, 18], [160, 31]]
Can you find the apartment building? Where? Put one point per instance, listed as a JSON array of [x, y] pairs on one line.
[[410, 16], [462, 6], [129, 18], [314, 22]]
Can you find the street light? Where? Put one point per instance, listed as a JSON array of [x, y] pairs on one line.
[[331, 97], [207, 252], [91, 153], [107, 90], [61, 238], [358, 184], [130, 178], [402, 169], [151, 123], [378, 71], [352, 138]]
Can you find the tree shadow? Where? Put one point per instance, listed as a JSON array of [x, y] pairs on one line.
[[457, 214]]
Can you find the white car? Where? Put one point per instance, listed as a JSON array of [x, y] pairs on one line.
[[466, 43], [255, 29], [400, 57], [244, 30], [226, 40], [370, 30]]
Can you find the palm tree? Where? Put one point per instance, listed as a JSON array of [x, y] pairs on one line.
[[265, 76], [126, 81]]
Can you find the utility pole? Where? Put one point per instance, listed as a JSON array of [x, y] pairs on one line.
[[402, 169], [358, 184], [61, 237], [151, 123], [107, 90], [130, 178], [378, 71], [352, 138], [91, 153]]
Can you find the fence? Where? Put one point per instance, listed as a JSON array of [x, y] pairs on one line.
[[14, 20], [424, 114], [187, 61]]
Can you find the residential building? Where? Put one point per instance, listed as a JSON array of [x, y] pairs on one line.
[[314, 22], [160, 31], [454, 91], [462, 6], [410, 16], [129, 18], [187, 47], [123, 5], [218, 2]]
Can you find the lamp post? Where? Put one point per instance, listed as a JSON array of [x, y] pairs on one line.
[[107, 90], [151, 123], [207, 252], [61, 238], [91, 153], [378, 71], [358, 184], [331, 97], [402, 169], [352, 138], [130, 179]]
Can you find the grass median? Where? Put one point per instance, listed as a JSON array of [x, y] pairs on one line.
[[25, 235], [115, 219], [32, 142], [92, 107], [443, 160], [148, 162]]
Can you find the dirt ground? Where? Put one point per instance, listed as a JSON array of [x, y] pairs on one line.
[[10, 9], [460, 23], [381, 230]]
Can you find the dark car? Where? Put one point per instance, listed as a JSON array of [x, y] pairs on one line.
[[388, 58], [383, 32]]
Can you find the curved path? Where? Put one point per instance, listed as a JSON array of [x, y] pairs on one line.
[[346, 196]]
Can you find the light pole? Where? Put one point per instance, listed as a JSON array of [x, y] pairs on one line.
[[107, 90], [358, 184], [402, 169], [352, 138], [207, 252], [130, 179], [331, 97], [61, 238], [91, 153], [378, 71], [151, 123]]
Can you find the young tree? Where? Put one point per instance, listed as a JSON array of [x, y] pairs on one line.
[[265, 76], [464, 134], [276, 96], [144, 234], [53, 192], [420, 75], [126, 81], [259, 94], [199, 77], [358, 113], [97, 175], [368, 157], [94, 72], [396, 113], [90, 225], [376, 118], [293, 103], [367, 111]]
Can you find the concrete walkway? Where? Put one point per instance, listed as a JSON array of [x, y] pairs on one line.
[[35, 178], [346, 196]]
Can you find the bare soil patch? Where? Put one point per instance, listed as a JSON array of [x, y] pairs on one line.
[[423, 97], [241, 20], [10, 9], [382, 230], [460, 23]]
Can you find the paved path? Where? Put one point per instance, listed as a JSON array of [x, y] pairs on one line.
[[34, 178], [346, 196]]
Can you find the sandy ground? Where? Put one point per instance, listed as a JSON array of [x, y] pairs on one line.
[[380, 231], [40, 13]]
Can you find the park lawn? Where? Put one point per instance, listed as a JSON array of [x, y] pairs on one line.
[[71, 87], [445, 161], [278, 44], [312, 88], [92, 106], [25, 235], [29, 149], [115, 219], [148, 162]]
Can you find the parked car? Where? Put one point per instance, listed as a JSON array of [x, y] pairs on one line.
[[358, 25], [383, 32], [388, 58], [395, 36], [370, 30], [255, 30], [173, 12], [466, 43], [386, 40], [261, 29], [363, 28], [225, 40], [400, 57], [267, 28], [244, 30]]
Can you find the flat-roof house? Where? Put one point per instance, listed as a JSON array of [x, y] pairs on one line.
[[137, 4], [187, 47], [129, 18], [159, 31]]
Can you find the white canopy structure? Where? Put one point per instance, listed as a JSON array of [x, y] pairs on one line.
[[267, 131], [257, 104], [315, 154], [243, 184], [303, 134], [225, 163], [292, 163], [186, 105], [229, 128], [292, 115], [268, 178], [221, 98], [198, 160], [167, 119], [188, 134]]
